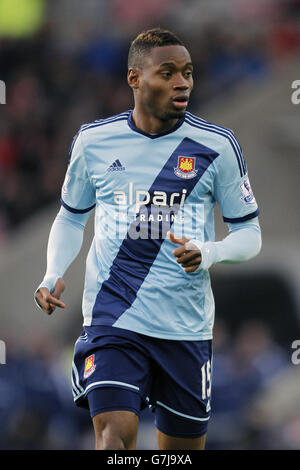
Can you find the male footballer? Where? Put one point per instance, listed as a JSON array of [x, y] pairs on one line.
[[154, 175]]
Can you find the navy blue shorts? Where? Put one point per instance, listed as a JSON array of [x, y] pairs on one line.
[[118, 369]]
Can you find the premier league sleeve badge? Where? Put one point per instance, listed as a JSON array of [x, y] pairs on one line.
[[248, 196]]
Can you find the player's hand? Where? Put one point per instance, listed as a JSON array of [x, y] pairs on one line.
[[48, 302], [188, 258]]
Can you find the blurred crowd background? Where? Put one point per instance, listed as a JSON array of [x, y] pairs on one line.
[[64, 63]]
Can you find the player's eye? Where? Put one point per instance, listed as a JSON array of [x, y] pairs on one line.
[[188, 74], [166, 73]]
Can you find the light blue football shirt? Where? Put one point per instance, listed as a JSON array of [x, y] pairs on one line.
[[143, 185]]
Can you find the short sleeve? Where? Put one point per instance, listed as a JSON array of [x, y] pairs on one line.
[[232, 189], [78, 192]]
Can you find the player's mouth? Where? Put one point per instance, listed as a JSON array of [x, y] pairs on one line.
[[180, 101]]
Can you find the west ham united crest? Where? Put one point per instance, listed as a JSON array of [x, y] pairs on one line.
[[185, 167], [89, 366]]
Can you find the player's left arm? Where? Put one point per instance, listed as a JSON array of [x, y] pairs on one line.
[[241, 244], [232, 190]]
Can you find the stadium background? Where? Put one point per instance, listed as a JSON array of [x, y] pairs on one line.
[[64, 64]]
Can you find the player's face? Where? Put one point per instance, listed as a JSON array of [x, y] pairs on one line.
[[165, 82]]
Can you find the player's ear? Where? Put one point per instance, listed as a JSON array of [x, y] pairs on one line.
[[133, 78]]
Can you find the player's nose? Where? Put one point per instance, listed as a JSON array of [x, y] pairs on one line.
[[181, 87], [181, 83]]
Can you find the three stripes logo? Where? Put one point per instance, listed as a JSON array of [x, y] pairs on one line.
[[116, 166]]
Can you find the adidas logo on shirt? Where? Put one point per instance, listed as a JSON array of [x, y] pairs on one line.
[[116, 166]]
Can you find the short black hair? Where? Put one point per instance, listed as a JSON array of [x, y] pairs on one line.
[[146, 40]]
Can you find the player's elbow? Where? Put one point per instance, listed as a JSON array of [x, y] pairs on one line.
[[254, 244], [258, 244]]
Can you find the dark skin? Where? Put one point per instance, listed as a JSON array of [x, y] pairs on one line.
[[165, 74], [161, 86], [189, 259]]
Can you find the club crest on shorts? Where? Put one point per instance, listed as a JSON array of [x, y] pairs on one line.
[[248, 196], [89, 366], [185, 167]]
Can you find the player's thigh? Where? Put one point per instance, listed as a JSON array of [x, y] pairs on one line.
[[115, 413], [116, 430], [181, 394], [166, 442]]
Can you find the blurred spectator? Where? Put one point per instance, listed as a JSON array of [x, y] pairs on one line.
[[256, 348], [274, 416], [36, 409], [241, 369]]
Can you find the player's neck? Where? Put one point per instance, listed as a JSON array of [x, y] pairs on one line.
[[151, 124]]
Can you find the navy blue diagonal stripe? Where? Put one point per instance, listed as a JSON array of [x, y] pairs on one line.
[[135, 257]]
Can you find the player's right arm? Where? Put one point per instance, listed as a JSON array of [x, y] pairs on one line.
[[66, 235]]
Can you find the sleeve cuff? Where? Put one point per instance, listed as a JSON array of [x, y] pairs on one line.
[[208, 253], [76, 211], [47, 282], [242, 219]]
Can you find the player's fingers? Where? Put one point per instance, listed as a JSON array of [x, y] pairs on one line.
[[179, 251], [54, 302], [194, 262], [179, 241], [191, 269], [45, 306], [41, 300], [49, 310], [186, 257], [190, 246], [59, 288]]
